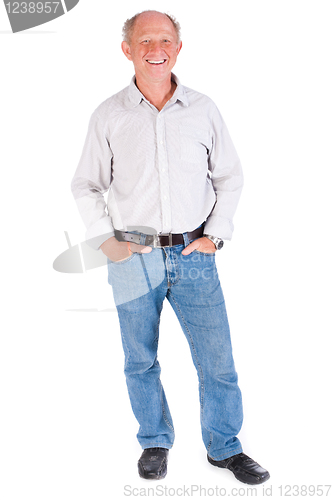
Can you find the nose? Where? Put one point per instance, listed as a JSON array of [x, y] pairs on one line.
[[155, 47]]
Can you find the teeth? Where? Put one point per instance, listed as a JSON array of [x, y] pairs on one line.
[[156, 62]]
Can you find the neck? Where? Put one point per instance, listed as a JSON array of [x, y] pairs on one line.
[[157, 93]]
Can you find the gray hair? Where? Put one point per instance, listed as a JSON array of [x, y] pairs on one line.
[[128, 27]]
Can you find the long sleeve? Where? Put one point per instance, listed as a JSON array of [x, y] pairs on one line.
[[91, 180], [227, 180]]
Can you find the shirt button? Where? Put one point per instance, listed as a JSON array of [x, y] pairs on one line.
[[161, 142]]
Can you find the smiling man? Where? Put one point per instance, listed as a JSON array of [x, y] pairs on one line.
[[165, 157], [153, 49]]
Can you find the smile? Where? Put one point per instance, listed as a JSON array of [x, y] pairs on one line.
[[156, 62]]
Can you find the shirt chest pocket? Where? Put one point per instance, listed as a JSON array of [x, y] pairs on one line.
[[194, 145]]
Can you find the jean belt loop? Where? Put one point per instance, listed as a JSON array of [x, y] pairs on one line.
[[142, 239], [186, 240], [155, 241]]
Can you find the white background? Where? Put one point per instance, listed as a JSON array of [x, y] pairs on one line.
[[67, 429]]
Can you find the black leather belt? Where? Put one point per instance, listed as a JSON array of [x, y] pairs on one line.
[[158, 240]]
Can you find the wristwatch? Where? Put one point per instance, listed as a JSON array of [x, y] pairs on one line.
[[217, 241]]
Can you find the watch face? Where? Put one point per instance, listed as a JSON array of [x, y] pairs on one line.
[[219, 244]]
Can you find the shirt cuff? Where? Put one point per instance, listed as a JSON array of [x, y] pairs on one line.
[[99, 232], [219, 227]]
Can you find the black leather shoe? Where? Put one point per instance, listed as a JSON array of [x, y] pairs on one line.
[[244, 468], [153, 463]]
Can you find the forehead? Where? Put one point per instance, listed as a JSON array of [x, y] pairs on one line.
[[151, 23]]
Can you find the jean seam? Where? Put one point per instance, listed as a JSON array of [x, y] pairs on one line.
[[176, 265], [198, 364], [177, 270], [128, 356], [145, 272], [161, 396], [163, 409], [157, 332], [208, 254], [124, 261]]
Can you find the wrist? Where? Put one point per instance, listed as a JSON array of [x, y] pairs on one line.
[[218, 242]]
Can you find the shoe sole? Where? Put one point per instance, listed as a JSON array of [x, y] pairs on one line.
[[210, 460], [150, 476]]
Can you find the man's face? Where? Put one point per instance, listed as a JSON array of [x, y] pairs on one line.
[[153, 48]]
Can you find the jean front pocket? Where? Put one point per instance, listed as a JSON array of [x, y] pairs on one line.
[[127, 279], [210, 254], [122, 261]]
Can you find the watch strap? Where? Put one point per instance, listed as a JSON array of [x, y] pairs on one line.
[[218, 242]]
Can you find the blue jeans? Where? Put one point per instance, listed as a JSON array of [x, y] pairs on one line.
[[191, 285]]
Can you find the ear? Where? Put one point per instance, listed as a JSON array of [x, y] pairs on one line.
[[179, 47], [127, 50]]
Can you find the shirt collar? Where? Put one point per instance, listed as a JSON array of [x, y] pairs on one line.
[[136, 97]]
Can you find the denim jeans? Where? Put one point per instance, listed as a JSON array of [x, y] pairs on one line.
[[191, 284]]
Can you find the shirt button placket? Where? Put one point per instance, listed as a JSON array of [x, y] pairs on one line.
[[162, 159]]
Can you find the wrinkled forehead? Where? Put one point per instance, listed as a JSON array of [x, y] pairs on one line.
[[153, 24]]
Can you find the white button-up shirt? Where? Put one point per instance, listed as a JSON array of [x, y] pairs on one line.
[[163, 171]]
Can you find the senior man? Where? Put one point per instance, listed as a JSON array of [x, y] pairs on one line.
[[165, 157]]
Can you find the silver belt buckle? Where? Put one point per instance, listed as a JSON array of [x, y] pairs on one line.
[[156, 240]]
